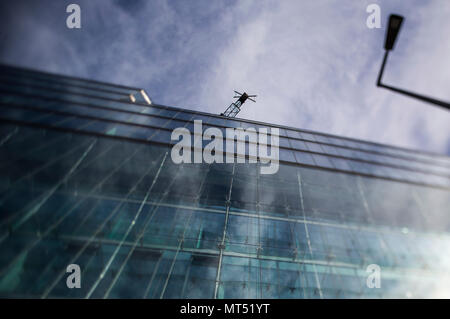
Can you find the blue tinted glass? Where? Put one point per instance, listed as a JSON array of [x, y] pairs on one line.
[[300, 145], [102, 189], [304, 158], [313, 147], [322, 160], [293, 134], [286, 155]]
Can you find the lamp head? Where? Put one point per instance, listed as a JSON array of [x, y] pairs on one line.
[[394, 25]]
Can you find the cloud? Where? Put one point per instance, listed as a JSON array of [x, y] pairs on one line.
[[312, 64], [315, 65]]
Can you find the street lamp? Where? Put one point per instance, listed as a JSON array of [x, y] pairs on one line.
[[394, 25]]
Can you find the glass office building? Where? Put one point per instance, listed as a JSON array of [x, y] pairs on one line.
[[86, 178]]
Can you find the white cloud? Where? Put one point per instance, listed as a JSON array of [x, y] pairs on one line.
[[314, 65]]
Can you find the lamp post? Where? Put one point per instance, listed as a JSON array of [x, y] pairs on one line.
[[394, 25]]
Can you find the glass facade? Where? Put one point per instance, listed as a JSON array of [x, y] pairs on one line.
[[86, 178]]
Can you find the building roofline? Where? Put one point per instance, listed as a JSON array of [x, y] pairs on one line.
[[69, 77], [411, 150]]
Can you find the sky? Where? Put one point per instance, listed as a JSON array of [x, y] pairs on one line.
[[313, 64]]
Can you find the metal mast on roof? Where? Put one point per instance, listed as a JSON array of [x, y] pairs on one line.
[[235, 107]]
